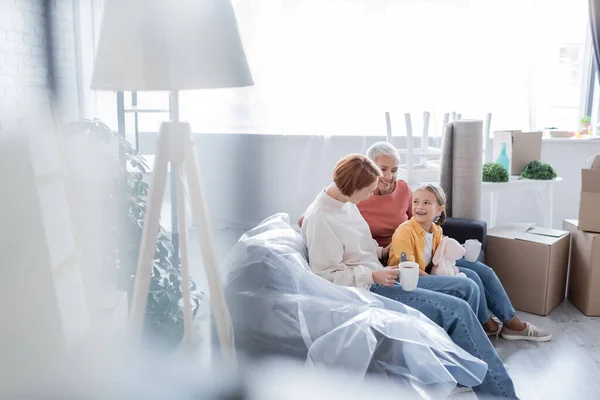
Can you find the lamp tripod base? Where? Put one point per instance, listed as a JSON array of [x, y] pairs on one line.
[[175, 146]]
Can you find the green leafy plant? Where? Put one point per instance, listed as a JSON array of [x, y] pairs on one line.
[[494, 172], [126, 201], [539, 170]]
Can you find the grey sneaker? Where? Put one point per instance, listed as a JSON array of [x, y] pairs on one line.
[[531, 333]]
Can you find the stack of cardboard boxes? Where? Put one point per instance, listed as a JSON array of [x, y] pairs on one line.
[[584, 270], [530, 261], [534, 264]]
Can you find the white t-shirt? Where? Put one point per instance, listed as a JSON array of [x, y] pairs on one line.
[[340, 246], [428, 247]]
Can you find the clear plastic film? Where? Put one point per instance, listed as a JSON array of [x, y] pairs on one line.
[[278, 306]]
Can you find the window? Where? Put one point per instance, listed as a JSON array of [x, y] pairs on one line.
[[335, 66], [559, 59], [595, 108]]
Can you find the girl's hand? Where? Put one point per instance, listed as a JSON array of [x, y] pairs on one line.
[[386, 251], [386, 276], [422, 273]]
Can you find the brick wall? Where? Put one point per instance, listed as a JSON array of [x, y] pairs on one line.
[[23, 70]]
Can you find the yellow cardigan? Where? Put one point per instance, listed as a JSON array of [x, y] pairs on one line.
[[410, 239]]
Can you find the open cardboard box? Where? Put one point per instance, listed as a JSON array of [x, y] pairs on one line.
[[589, 205], [531, 262], [584, 269]]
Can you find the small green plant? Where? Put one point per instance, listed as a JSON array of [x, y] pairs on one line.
[[539, 170], [586, 120], [494, 172]]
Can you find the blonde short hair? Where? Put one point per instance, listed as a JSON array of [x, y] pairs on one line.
[[379, 149]]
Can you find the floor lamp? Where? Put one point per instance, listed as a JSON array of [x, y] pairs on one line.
[[173, 45]]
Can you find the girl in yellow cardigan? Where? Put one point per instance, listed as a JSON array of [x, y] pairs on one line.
[[419, 237]]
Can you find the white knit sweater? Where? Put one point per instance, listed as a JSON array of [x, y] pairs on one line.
[[340, 247]]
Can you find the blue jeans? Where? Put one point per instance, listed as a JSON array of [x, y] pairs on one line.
[[493, 297], [465, 289], [457, 318]]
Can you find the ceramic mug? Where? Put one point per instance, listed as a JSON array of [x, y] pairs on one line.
[[409, 275], [473, 248]]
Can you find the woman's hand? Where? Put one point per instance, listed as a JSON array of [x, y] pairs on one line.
[[386, 276]]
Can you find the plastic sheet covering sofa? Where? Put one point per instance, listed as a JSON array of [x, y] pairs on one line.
[[279, 307]]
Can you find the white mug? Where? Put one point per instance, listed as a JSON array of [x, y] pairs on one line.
[[473, 248], [409, 275]]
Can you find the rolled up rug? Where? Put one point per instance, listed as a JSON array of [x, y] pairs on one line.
[[461, 168]]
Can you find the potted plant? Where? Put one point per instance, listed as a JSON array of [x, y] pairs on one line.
[[539, 170], [494, 172], [125, 198], [586, 126]]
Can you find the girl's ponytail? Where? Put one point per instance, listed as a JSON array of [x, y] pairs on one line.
[[442, 218]]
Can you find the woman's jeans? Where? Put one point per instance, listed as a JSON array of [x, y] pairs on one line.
[[493, 297], [465, 289], [455, 316]]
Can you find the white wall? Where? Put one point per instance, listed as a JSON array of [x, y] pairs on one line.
[[249, 177]]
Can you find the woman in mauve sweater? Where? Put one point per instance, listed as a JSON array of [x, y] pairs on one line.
[[391, 194]]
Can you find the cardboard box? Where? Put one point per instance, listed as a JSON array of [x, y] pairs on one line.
[[589, 204], [521, 148], [531, 263], [584, 269], [559, 134]]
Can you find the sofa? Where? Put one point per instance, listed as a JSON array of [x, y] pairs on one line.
[[279, 307]]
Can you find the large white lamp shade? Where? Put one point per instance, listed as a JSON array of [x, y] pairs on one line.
[[169, 45]]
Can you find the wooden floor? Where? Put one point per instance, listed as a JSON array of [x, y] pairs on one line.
[[568, 367]]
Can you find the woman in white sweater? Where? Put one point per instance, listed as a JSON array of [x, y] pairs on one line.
[[341, 250]]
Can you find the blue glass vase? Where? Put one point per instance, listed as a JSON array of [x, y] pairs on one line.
[[503, 157]]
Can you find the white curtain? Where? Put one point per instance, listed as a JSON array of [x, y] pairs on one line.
[[334, 66]]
